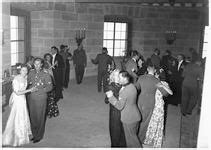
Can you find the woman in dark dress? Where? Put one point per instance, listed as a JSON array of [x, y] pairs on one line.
[[142, 69], [115, 125], [52, 107]]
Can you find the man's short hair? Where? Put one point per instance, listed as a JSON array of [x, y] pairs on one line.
[[62, 46], [134, 53], [105, 50]]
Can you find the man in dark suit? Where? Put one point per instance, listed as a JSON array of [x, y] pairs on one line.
[[178, 78], [131, 66], [193, 74], [155, 58], [58, 65], [194, 54], [103, 60], [79, 62]]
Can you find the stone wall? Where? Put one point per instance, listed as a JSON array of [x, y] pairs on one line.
[[57, 26], [5, 42]]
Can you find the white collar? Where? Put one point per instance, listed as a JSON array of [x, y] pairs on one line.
[[134, 59], [181, 61]]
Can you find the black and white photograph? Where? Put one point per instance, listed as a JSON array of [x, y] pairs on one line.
[[105, 74]]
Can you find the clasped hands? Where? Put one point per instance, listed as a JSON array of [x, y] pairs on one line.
[[162, 84], [33, 89], [109, 94]]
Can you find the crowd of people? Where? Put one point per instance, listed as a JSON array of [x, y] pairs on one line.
[[137, 94], [36, 91]]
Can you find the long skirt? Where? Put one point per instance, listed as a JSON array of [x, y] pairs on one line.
[[52, 107], [154, 134]]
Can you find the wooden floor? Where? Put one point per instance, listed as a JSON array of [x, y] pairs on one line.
[[83, 120]]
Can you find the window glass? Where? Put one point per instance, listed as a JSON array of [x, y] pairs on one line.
[[110, 51], [110, 26], [21, 22], [17, 32], [14, 34], [20, 34], [205, 44], [117, 44], [14, 47], [13, 22]]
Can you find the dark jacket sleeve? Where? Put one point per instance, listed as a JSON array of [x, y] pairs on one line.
[[85, 59], [120, 103], [138, 84], [96, 60], [74, 58], [60, 61]]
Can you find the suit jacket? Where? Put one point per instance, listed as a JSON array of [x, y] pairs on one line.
[[155, 60], [146, 100], [58, 70], [132, 68], [127, 104], [178, 74], [79, 58], [166, 62], [59, 60], [181, 68], [103, 60], [191, 73]]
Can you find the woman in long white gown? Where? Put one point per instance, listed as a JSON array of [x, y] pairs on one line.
[[18, 128]]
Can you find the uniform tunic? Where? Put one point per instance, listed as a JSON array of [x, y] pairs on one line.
[[103, 60], [80, 62], [190, 92], [37, 101], [146, 101]]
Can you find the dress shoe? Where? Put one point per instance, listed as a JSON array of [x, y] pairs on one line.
[[36, 141], [189, 113]]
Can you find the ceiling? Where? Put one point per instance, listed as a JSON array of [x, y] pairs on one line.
[[30, 5]]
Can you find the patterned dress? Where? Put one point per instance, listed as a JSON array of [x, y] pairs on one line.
[[52, 107], [154, 134]]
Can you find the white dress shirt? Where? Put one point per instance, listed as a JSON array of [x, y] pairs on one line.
[[179, 64], [54, 55]]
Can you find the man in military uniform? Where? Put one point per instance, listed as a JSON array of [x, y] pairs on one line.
[[37, 101], [103, 60], [79, 62], [131, 65]]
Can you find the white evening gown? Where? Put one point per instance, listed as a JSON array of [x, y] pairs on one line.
[[18, 128]]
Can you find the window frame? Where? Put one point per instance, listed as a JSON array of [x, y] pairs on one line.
[[27, 30], [120, 19]]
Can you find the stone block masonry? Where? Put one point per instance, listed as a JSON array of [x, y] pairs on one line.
[[148, 25]]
